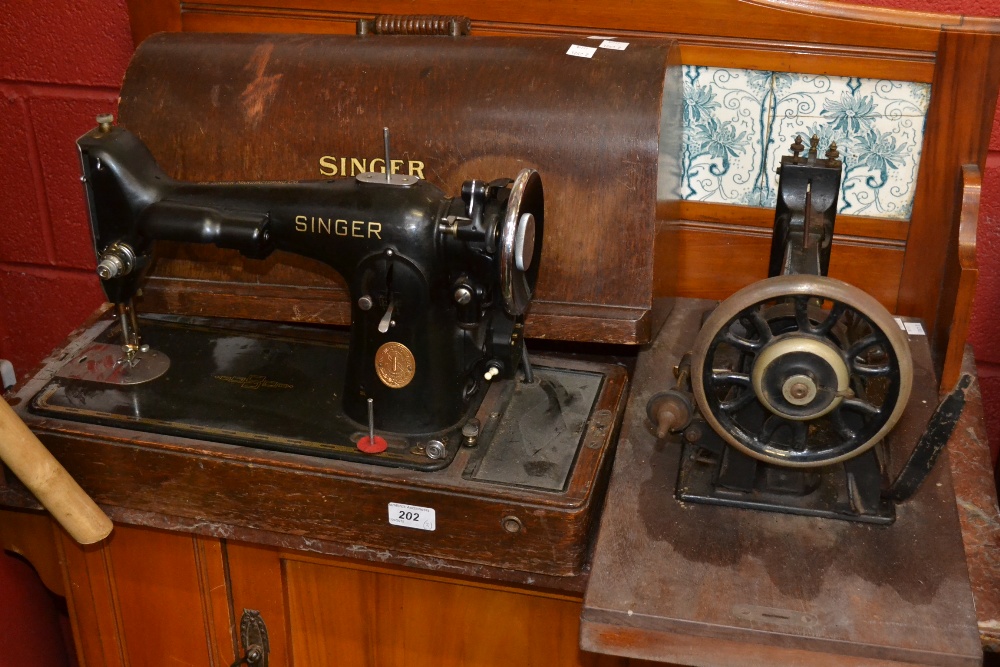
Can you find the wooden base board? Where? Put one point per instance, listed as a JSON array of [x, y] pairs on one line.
[[336, 506], [719, 587]]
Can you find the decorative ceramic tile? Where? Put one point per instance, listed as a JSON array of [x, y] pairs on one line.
[[877, 124], [723, 134]]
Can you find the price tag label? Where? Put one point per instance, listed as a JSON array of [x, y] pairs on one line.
[[614, 46], [581, 51], [914, 329], [412, 516]]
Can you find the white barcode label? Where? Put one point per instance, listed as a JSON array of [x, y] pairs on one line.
[[914, 329], [581, 51], [411, 516], [614, 46]]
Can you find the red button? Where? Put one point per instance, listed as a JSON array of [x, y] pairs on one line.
[[369, 447]]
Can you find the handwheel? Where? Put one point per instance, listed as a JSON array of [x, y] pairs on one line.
[[520, 242], [801, 371]]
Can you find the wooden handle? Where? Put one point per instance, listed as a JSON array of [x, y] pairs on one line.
[[38, 470], [416, 24]]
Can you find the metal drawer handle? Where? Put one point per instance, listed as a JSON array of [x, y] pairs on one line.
[[252, 658], [253, 637], [410, 24]]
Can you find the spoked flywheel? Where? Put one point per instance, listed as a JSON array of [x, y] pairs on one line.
[[801, 371]]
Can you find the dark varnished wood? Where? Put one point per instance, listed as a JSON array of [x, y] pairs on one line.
[[669, 579], [714, 260], [863, 227], [638, 641], [204, 280], [802, 20], [157, 597], [808, 59], [249, 107], [787, 35]]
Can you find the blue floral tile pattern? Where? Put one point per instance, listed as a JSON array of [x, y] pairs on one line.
[[738, 123]]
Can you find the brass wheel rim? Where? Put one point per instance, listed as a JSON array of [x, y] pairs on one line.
[[792, 286]]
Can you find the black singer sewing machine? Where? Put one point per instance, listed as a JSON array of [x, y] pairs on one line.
[[327, 360], [439, 289]]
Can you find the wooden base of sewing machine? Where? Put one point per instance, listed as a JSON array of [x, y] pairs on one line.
[[204, 530], [490, 511], [718, 586]]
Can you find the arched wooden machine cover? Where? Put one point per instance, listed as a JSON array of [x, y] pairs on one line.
[[261, 107]]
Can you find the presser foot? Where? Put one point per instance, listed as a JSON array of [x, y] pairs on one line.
[[107, 363]]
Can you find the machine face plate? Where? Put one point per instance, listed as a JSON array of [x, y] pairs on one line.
[[106, 363]]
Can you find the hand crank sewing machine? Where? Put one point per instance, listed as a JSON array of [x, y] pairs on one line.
[[798, 395], [794, 382]]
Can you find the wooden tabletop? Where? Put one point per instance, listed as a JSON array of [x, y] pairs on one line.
[[716, 586]]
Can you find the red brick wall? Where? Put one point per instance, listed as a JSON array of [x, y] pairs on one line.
[[62, 64]]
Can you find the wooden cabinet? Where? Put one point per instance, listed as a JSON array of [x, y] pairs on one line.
[[322, 611], [152, 597]]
